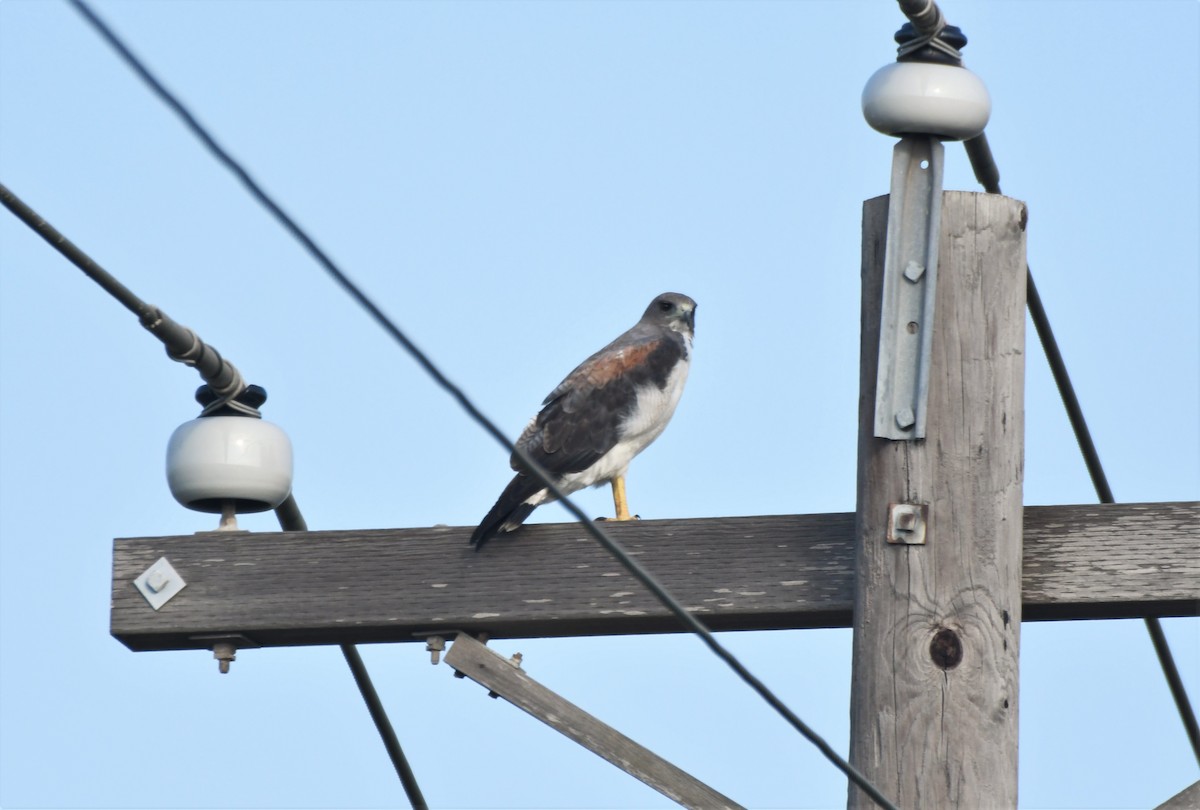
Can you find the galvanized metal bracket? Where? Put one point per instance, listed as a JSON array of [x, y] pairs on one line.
[[909, 288]]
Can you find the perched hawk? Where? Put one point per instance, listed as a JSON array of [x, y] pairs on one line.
[[603, 414]]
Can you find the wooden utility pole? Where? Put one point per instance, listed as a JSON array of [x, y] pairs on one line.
[[937, 608]]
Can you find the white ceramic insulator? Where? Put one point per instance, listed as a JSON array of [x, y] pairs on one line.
[[217, 459], [921, 98]]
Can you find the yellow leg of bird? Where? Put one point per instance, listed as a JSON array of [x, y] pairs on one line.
[[619, 501]]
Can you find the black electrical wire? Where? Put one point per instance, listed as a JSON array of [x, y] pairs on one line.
[[291, 520], [386, 732], [636, 569], [988, 175], [182, 343], [288, 512], [925, 15], [125, 296]]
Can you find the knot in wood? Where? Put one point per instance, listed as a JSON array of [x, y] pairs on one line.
[[946, 649]]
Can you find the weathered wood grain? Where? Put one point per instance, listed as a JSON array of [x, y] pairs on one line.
[[545, 580], [784, 571], [936, 626], [506, 679], [1073, 572]]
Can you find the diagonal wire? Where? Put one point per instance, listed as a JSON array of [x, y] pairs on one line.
[[988, 175], [636, 569], [182, 344], [214, 369], [291, 520]]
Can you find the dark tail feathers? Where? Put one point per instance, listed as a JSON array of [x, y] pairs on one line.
[[509, 512]]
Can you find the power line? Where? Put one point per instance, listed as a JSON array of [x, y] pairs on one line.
[[291, 520], [614, 548], [988, 175], [182, 343], [212, 367]]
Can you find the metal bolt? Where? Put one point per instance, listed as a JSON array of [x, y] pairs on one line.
[[157, 580], [434, 645], [225, 653], [907, 523], [159, 583], [228, 517], [905, 418], [516, 660], [913, 271]]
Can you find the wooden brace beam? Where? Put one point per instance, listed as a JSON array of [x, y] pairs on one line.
[[505, 678]]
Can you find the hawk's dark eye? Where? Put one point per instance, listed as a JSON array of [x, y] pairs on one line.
[[666, 306]]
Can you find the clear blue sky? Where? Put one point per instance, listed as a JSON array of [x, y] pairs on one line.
[[513, 182]]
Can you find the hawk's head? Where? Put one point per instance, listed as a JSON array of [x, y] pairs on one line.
[[672, 310]]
